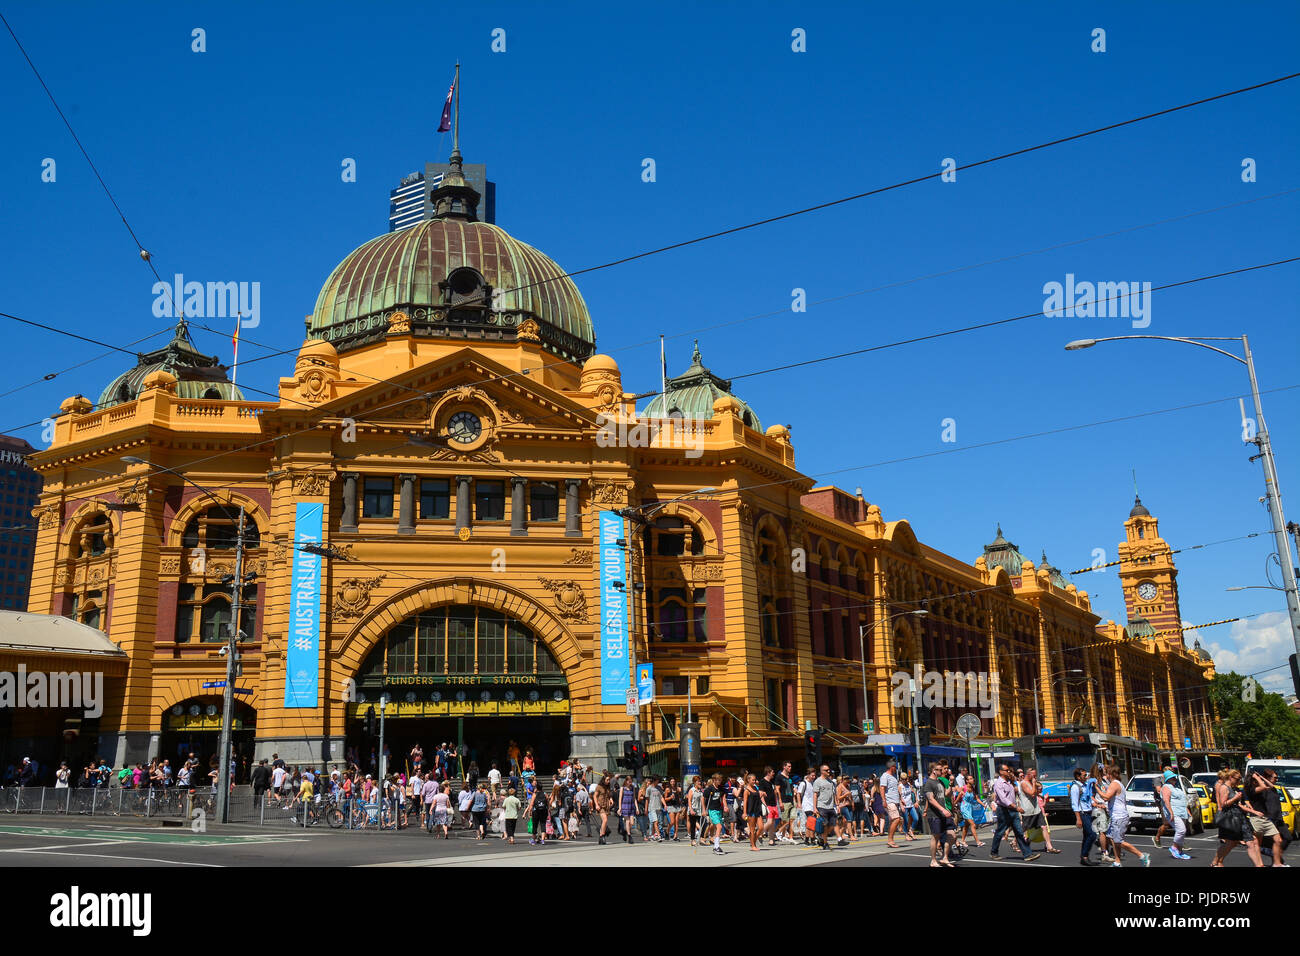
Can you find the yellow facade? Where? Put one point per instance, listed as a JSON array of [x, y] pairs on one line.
[[757, 594]]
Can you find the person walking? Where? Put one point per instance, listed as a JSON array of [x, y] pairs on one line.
[[1232, 821], [823, 788], [1117, 808], [1265, 809], [654, 798], [695, 811], [626, 809], [1081, 804], [510, 808], [539, 811], [602, 800], [1174, 803], [1007, 808], [938, 817], [714, 804], [785, 785], [1100, 813], [907, 806], [890, 791]]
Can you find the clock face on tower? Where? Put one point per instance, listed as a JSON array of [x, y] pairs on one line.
[[1147, 591], [464, 428]]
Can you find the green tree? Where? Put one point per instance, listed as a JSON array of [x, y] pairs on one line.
[[1266, 726]]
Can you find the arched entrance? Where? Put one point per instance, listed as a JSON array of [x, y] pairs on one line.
[[461, 673], [194, 726]]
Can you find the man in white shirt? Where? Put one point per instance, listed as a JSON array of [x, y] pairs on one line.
[[889, 787], [494, 779], [808, 804], [277, 782]]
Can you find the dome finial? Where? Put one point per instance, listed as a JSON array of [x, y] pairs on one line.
[[696, 359]]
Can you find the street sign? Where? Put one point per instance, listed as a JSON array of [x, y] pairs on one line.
[[868, 726], [645, 683], [633, 705], [214, 683], [243, 690], [968, 726]]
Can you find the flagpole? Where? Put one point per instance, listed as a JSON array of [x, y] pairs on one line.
[[234, 368], [663, 380], [455, 135]]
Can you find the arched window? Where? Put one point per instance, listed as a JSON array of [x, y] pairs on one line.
[[94, 537], [217, 529], [89, 609], [456, 641], [674, 537], [211, 393]]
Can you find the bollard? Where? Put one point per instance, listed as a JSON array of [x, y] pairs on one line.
[[42, 800], [94, 794], [67, 803]]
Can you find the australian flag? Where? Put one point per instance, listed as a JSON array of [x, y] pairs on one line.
[[445, 124]]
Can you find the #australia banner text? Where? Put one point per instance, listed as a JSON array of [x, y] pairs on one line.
[[302, 659], [614, 672]]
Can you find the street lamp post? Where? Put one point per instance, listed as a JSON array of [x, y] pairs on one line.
[[1272, 489], [862, 653], [230, 651]]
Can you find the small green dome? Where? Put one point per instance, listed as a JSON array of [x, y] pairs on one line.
[[693, 393], [197, 375], [1001, 553]]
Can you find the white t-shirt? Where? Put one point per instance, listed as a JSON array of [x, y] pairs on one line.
[[494, 776], [277, 777], [807, 797], [466, 797]]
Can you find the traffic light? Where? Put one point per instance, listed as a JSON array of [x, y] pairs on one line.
[[370, 722], [812, 747], [923, 725], [633, 758]]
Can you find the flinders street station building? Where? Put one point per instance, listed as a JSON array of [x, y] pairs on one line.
[[456, 502]]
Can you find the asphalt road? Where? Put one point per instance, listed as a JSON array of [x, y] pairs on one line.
[[62, 842]]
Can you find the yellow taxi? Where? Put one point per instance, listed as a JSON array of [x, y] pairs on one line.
[[1289, 807], [1206, 800]]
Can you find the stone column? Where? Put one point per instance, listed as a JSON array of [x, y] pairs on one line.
[[572, 516], [462, 501], [518, 509], [348, 520], [406, 506]]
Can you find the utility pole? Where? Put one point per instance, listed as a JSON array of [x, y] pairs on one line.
[[232, 673], [383, 762], [916, 728]]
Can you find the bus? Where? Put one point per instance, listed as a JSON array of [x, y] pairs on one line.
[[1057, 754], [863, 760]]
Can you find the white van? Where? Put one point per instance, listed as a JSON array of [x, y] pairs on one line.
[[1288, 773]]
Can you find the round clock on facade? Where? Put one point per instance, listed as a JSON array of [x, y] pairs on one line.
[[464, 428], [1147, 591]]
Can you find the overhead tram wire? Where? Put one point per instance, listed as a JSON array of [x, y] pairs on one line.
[[147, 257], [51, 376], [908, 182], [513, 375], [836, 298]]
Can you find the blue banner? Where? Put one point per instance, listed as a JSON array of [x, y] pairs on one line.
[[302, 657], [614, 675]]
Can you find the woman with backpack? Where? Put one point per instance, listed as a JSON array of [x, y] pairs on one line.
[[538, 811]]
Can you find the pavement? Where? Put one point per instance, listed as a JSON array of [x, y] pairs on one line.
[[55, 840], [60, 842]]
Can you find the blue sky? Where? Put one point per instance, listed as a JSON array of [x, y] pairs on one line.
[[227, 164]]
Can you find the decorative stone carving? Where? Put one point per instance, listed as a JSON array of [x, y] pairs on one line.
[[469, 393], [95, 576], [511, 416], [353, 596], [313, 385], [47, 515], [219, 568], [745, 511], [280, 551], [399, 323], [708, 572], [311, 484], [569, 599], [609, 398], [579, 557], [135, 496], [529, 331], [465, 534], [610, 492], [170, 566], [60, 577]]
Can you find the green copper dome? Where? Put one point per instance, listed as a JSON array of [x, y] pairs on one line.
[[453, 278], [693, 393], [197, 375], [1001, 553]]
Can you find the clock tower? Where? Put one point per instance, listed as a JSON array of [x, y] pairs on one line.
[[1148, 576]]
